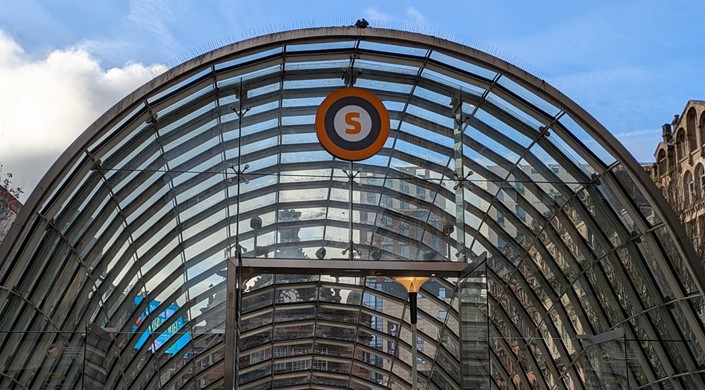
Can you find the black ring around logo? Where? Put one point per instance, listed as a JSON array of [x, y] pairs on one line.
[[377, 127], [343, 143]]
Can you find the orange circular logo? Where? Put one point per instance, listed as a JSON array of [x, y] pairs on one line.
[[352, 124]]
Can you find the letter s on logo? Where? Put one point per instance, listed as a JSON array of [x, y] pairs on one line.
[[350, 121]]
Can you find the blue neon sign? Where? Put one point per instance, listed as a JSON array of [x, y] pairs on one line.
[[166, 335]]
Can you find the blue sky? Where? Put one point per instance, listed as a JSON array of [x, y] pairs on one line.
[[632, 64]]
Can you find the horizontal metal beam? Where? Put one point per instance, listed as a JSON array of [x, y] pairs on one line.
[[258, 266]]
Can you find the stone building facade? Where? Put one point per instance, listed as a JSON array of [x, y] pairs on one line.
[[9, 208], [679, 170]]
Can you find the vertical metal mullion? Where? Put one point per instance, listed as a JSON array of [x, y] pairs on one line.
[[232, 319], [231, 307], [457, 107], [487, 321]]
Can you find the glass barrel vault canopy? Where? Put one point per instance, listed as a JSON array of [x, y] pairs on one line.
[[126, 267]]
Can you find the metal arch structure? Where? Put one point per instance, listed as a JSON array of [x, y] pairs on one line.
[[118, 272]]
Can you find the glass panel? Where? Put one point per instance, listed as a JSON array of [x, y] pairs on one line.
[[474, 330], [636, 195], [249, 58], [680, 267], [321, 46], [395, 49], [506, 108], [579, 134], [441, 75], [605, 364], [525, 94], [524, 137], [463, 65]]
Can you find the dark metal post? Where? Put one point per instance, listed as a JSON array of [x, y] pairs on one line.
[[626, 365], [230, 324], [412, 284], [414, 352]]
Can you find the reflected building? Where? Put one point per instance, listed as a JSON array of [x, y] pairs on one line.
[[410, 221]]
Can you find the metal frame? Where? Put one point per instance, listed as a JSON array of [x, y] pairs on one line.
[[242, 268], [105, 220]]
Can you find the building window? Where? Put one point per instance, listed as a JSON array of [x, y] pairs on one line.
[[681, 144], [435, 244], [256, 357], [690, 130], [279, 352], [700, 175], [403, 187], [420, 192], [388, 247], [404, 250], [501, 243], [521, 214], [319, 364], [298, 365], [207, 362], [442, 315], [404, 229], [442, 293], [372, 301], [419, 348], [387, 202], [388, 222], [689, 188], [279, 367], [376, 323], [662, 162]]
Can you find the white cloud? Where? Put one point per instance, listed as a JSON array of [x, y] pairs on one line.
[[416, 17], [375, 15], [152, 16], [45, 103], [10, 51], [412, 15], [640, 143]]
